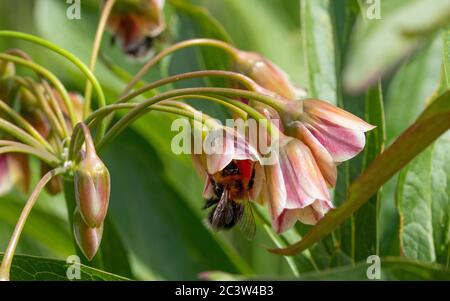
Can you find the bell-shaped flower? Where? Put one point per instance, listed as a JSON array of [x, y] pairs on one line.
[[334, 129], [136, 24], [14, 172]]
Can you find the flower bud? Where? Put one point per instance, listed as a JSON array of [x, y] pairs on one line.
[[267, 75], [92, 185], [88, 239]]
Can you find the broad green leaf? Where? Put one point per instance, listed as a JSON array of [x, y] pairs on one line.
[[392, 268], [367, 217], [319, 54], [423, 199], [431, 124], [446, 56], [380, 44], [31, 268], [55, 239], [414, 82]]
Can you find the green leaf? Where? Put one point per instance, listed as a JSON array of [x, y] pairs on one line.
[[411, 86], [55, 239], [31, 268], [366, 218], [431, 124], [380, 44], [392, 268], [423, 199], [319, 55]]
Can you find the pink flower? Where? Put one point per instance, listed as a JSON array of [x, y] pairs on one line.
[[137, 24], [14, 172], [338, 131], [295, 188]]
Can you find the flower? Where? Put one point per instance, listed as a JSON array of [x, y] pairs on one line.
[[225, 146], [136, 24], [92, 185], [295, 188], [88, 239], [324, 126], [267, 74]]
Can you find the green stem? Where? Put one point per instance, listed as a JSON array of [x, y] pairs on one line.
[[50, 76], [244, 80], [55, 106], [45, 107], [7, 146], [185, 44], [138, 110], [24, 124], [95, 49], [20, 134], [79, 64], [5, 266]]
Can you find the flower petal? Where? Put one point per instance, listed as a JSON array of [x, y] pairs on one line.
[[333, 115], [342, 143]]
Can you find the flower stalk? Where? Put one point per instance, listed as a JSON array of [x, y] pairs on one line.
[[5, 266]]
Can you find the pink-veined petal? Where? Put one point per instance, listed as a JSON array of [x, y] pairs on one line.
[[323, 158], [342, 143]]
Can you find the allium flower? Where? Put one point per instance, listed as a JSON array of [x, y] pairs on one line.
[[321, 124], [295, 188], [233, 177], [136, 24]]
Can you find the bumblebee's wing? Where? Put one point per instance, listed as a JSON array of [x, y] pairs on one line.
[[223, 213], [247, 222]]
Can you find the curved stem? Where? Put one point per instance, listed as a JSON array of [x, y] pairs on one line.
[[56, 108], [50, 76], [5, 266], [77, 62], [42, 102], [95, 49], [26, 149], [136, 112], [184, 44], [24, 124]]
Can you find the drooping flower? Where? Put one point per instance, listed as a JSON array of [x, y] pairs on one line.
[[338, 131], [136, 24], [294, 186]]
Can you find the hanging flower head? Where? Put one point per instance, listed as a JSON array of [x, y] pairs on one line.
[[136, 24]]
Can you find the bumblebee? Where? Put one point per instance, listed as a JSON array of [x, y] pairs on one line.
[[230, 198]]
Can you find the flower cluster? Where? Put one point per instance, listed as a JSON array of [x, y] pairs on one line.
[[307, 137]]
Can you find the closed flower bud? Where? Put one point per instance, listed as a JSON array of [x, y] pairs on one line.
[[88, 239], [92, 185]]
